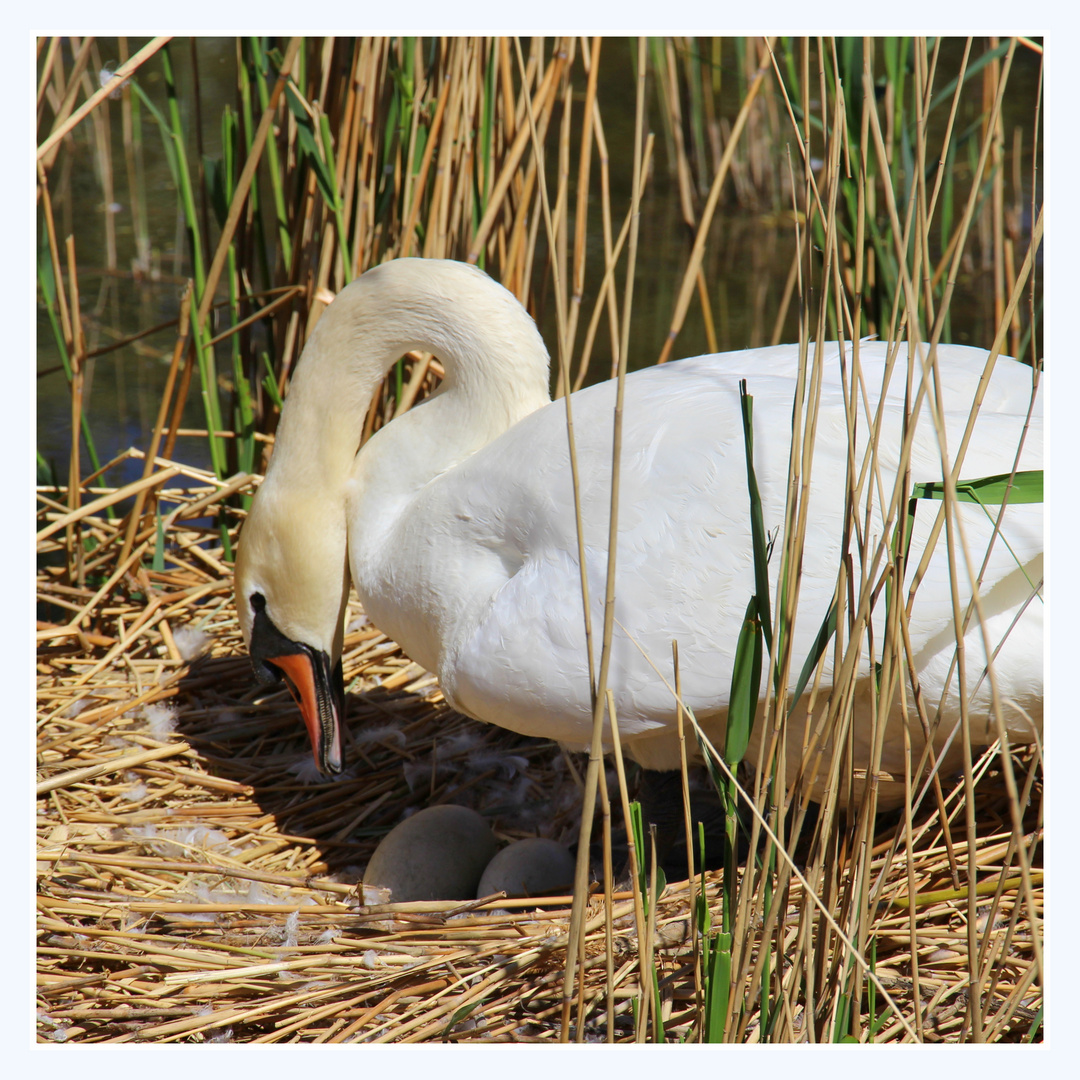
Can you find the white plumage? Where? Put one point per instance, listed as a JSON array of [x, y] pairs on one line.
[[459, 523]]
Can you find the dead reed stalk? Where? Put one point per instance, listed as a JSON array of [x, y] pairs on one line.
[[195, 882]]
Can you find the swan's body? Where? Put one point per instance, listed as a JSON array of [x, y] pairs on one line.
[[459, 523]]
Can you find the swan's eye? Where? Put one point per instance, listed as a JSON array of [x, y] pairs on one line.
[[268, 643]]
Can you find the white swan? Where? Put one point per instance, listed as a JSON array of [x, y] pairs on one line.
[[457, 523]]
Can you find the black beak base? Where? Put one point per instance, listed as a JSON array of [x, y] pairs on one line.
[[317, 685]]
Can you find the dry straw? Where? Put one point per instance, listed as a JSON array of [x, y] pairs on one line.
[[195, 881]]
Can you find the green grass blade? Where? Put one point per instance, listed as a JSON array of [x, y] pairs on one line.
[[1022, 487], [163, 127], [757, 524], [310, 144], [46, 473], [175, 130], [263, 75], [335, 199], [817, 651], [157, 564], [717, 987], [1036, 1025], [701, 900], [48, 291], [843, 1015], [745, 686], [638, 829], [269, 383], [458, 1015], [945, 94], [987, 491]]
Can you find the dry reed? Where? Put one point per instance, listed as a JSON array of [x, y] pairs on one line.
[[196, 883], [193, 887]]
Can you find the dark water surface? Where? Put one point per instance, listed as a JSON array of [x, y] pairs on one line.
[[746, 264]]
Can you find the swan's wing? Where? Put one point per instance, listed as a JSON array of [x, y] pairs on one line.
[[684, 562], [516, 652]]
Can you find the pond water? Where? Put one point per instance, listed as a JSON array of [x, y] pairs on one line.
[[747, 261]]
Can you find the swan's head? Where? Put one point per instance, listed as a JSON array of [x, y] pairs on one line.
[[291, 587], [292, 576]]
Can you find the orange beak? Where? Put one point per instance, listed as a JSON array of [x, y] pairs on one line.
[[321, 699], [316, 684]]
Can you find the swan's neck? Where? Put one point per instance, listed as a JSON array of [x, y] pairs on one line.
[[495, 362], [318, 497]]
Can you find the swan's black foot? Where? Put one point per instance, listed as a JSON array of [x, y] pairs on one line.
[[661, 799]]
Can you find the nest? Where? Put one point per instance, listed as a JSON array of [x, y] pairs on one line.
[[197, 879]]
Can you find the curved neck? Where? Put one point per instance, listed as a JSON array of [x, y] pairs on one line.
[[495, 361]]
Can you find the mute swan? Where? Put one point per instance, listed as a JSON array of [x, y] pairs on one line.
[[456, 524]]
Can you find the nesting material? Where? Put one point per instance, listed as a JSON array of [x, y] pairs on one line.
[[191, 887], [437, 854]]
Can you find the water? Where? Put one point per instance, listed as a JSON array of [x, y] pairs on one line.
[[123, 388], [746, 263]]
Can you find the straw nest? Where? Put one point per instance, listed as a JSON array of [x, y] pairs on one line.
[[197, 883]]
